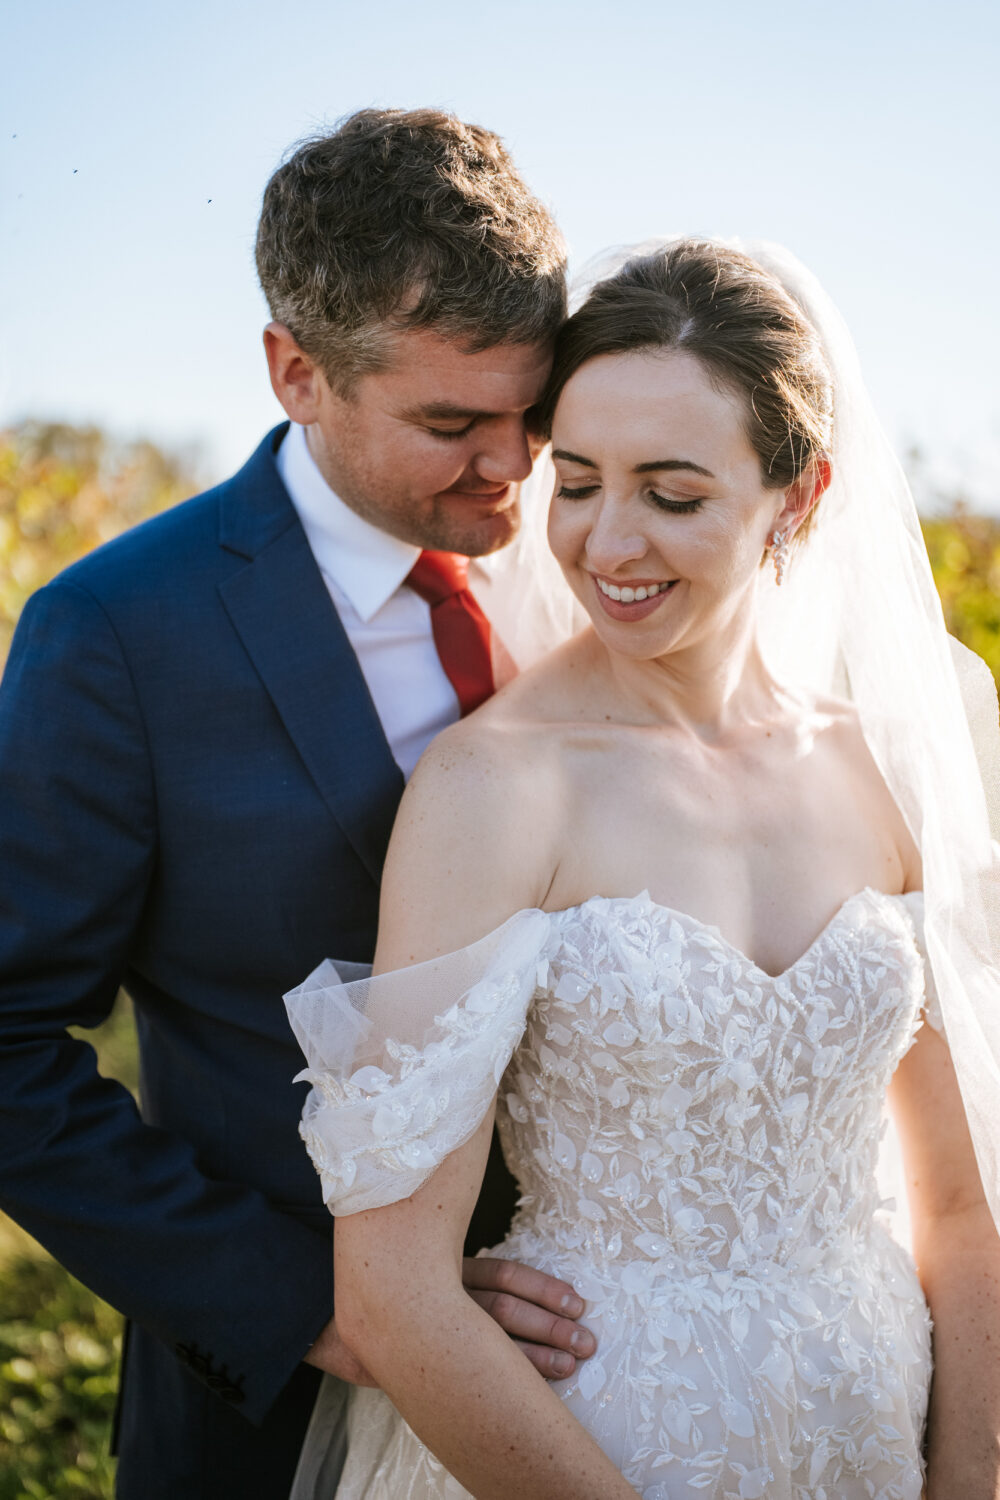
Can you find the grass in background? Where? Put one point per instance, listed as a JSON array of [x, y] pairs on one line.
[[59, 1348]]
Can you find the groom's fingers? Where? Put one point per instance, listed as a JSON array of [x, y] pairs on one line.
[[522, 1302], [481, 1273], [533, 1327], [548, 1362]]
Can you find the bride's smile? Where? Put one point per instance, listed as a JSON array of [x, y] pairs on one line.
[[633, 600]]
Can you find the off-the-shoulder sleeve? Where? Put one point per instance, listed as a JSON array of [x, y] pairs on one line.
[[405, 1065], [914, 903]]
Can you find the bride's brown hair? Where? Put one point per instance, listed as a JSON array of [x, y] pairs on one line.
[[720, 305]]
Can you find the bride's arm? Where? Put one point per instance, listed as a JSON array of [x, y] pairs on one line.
[[461, 1384], [470, 848], [957, 1252]]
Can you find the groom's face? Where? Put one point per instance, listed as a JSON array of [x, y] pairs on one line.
[[433, 448]]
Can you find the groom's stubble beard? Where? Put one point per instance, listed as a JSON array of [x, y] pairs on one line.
[[465, 520], [448, 530], [443, 522], [447, 521]]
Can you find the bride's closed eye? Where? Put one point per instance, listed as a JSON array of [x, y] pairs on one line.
[[663, 502], [676, 507]]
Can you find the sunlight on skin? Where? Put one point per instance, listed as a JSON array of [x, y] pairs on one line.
[[809, 730]]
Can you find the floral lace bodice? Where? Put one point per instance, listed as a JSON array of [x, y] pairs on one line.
[[630, 1042], [670, 1101], [696, 1144]]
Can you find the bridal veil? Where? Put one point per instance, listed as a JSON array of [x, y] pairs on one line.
[[859, 615]]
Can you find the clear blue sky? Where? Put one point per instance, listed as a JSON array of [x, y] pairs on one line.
[[135, 141]]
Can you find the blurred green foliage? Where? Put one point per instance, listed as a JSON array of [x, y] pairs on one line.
[[59, 1345], [63, 491], [964, 550]]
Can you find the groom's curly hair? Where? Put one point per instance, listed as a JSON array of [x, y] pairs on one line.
[[406, 219]]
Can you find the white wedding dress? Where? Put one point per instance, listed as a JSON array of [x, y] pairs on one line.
[[696, 1143]]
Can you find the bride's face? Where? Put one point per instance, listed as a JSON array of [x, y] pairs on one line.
[[659, 494]]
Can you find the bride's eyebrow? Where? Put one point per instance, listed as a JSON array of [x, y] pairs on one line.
[[573, 458], [654, 466], [672, 464]]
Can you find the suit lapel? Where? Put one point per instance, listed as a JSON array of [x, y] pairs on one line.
[[280, 607]]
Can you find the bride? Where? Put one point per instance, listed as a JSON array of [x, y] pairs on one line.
[[697, 837]]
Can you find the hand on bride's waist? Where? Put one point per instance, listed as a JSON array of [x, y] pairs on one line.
[[536, 1310]]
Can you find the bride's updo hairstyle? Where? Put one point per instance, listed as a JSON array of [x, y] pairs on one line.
[[752, 337]]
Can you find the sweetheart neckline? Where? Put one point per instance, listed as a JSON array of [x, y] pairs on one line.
[[719, 936], [626, 901]]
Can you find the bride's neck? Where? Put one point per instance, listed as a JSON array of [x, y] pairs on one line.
[[711, 687]]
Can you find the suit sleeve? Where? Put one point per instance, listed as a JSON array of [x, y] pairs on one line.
[[239, 1289]]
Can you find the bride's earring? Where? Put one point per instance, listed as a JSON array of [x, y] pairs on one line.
[[779, 554]]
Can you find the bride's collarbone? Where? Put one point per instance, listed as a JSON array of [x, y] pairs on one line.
[[768, 863], [753, 789], [764, 842]]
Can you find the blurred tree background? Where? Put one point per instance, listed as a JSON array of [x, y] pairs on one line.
[[964, 549], [63, 491], [59, 1347]]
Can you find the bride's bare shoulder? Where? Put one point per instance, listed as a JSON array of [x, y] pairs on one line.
[[837, 721], [845, 754], [549, 697], [830, 728], [477, 831], [828, 720], [516, 734]]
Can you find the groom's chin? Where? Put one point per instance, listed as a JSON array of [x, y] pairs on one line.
[[459, 529]]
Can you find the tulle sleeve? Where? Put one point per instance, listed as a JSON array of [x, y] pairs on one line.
[[404, 1066], [914, 903]]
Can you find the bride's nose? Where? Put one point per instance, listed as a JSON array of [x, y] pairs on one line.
[[614, 537]]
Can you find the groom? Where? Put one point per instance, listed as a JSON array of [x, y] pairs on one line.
[[204, 732]]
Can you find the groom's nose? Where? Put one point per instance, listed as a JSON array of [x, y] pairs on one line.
[[506, 455]]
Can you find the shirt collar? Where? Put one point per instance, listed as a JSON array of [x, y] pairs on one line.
[[365, 564]]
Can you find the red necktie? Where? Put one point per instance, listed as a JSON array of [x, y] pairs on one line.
[[461, 630]]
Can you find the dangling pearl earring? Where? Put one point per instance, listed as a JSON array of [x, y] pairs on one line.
[[779, 554]]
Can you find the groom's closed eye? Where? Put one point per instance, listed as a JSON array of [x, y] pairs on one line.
[[446, 420], [451, 432], [443, 419]]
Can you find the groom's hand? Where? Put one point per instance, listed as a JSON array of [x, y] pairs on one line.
[[537, 1311]]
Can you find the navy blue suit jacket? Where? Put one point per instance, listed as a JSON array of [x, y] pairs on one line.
[[195, 801]]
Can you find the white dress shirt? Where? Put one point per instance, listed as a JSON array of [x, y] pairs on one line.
[[388, 625]]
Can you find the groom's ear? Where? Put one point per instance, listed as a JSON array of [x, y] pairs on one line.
[[296, 379]]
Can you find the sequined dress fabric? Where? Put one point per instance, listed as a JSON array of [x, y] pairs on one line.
[[696, 1144]]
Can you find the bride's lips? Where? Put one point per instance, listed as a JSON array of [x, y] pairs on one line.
[[638, 609]]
